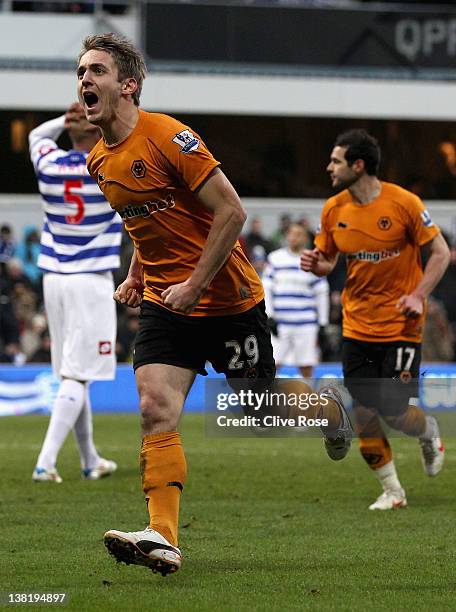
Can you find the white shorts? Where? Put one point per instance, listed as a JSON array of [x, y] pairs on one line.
[[81, 316], [296, 346]]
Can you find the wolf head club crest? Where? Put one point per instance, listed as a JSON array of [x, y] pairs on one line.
[[138, 168], [384, 223]]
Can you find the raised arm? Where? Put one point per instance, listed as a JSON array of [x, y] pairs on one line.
[[43, 138], [49, 130]]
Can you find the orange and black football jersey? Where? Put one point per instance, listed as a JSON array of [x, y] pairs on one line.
[[150, 179], [382, 243]]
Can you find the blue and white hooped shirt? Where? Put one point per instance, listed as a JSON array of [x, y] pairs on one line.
[[81, 233], [294, 297]]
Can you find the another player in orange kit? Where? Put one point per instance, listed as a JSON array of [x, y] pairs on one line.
[[380, 228]]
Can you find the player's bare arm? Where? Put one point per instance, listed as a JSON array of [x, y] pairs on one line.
[[220, 197], [412, 305], [313, 260], [130, 292], [51, 129]]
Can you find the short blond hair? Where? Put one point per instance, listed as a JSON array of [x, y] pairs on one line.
[[128, 59]]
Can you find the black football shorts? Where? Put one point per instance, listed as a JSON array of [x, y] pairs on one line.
[[382, 375], [238, 345]]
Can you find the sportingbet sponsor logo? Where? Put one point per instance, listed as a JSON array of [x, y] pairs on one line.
[[187, 141], [374, 256], [148, 208]]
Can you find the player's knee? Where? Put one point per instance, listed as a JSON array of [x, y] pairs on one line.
[[411, 421], [156, 412]]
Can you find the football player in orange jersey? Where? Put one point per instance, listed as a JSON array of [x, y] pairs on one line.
[[381, 228], [200, 297]]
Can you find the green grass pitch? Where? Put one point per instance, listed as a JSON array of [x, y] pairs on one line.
[[266, 524]]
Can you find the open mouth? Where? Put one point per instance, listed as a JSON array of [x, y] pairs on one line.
[[90, 99]]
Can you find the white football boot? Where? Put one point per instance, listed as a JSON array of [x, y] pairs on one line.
[[148, 548], [42, 475], [105, 467], [390, 500], [432, 450]]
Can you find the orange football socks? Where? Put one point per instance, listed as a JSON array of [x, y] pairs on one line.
[[163, 473], [376, 452], [374, 446]]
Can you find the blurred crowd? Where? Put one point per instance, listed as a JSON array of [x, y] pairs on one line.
[[24, 336]]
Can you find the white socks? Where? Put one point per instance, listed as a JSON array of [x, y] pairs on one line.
[[67, 408], [83, 432], [387, 477]]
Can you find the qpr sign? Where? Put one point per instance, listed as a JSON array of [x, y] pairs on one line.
[[432, 39]]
